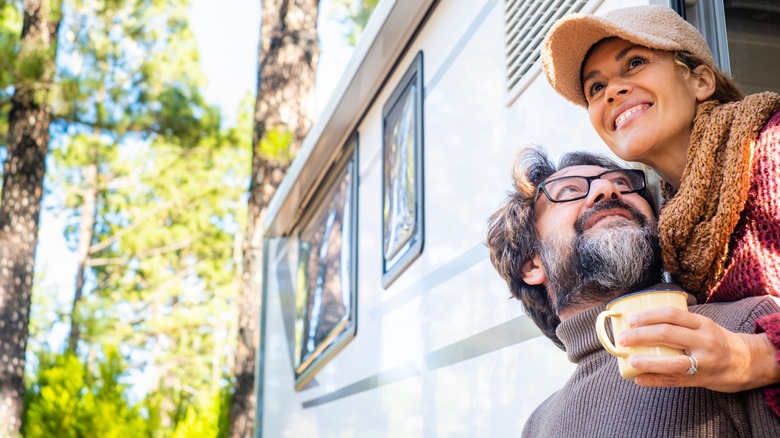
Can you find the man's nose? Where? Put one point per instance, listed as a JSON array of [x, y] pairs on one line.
[[602, 190]]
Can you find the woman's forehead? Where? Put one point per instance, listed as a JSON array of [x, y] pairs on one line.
[[611, 43]]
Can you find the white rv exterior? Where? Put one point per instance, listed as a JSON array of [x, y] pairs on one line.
[[441, 351]]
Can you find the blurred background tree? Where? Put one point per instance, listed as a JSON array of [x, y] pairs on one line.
[[102, 116], [30, 61], [152, 184], [284, 110]]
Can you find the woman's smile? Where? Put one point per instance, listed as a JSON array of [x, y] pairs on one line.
[[630, 114]]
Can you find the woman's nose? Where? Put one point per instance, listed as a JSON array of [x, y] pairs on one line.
[[616, 89]]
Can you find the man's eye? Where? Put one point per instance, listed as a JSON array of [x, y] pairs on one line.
[[569, 190], [621, 183]]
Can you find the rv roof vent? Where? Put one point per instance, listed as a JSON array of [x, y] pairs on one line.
[[526, 22]]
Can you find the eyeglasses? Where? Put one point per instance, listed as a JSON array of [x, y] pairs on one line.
[[573, 188]]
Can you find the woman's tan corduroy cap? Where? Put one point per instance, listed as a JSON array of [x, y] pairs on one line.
[[570, 38]]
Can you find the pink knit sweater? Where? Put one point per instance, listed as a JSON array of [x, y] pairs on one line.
[[754, 255]]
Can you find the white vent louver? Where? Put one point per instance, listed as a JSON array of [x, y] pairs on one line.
[[526, 22]]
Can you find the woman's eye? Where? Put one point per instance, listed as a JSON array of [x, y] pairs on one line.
[[593, 89], [636, 61]]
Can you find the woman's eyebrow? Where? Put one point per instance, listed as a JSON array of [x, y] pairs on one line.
[[622, 54], [618, 57]]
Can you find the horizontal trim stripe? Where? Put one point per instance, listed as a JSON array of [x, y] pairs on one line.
[[401, 372], [512, 332]]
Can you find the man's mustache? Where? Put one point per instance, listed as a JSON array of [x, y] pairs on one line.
[[636, 215]]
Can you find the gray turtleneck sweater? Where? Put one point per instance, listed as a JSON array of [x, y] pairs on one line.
[[597, 402]]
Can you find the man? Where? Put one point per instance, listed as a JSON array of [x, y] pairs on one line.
[[569, 240]]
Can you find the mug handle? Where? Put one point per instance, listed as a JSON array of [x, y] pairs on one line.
[[601, 332]]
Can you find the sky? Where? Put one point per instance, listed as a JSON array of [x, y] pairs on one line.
[[228, 33]]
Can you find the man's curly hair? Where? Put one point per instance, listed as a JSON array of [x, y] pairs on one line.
[[512, 236]]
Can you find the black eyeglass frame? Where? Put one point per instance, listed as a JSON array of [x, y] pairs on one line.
[[542, 187]]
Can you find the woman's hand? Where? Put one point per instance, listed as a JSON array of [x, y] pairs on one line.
[[728, 362]]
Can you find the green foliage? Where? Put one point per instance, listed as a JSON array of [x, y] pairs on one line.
[[166, 281], [68, 400], [223, 420], [170, 203], [129, 66], [207, 420], [183, 117], [275, 145], [163, 262], [10, 30], [355, 15], [32, 66]]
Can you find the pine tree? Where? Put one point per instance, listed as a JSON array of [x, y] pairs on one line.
[[283, 114], [27, 145]]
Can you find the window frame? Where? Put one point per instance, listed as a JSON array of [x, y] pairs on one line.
[[709, 18], [340, 335], [410, 249]]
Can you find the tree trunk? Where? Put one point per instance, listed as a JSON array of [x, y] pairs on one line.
[[86, 232], [28, 139], [285, 94]]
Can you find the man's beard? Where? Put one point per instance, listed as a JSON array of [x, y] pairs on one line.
[[596, 267]]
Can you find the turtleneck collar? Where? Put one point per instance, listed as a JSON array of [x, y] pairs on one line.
[[578, 333]]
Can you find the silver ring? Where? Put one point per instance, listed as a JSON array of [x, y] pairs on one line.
[[694, 365]]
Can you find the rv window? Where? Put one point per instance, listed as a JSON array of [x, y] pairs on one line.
[[326, 286], [402, 183], [744, 37], [753, 32]]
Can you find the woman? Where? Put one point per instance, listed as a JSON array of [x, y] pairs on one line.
[[655, 96]]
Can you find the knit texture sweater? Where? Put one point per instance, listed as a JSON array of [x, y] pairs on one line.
[[749, 265], [753, 266], [697, 224], [597, 402]]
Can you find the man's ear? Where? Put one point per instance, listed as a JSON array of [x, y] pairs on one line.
[[704, 82], [533, 271]]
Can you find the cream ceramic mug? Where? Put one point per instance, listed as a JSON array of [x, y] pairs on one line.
[[621, 309]]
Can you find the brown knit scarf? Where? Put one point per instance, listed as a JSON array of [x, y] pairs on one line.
[[696, 224]]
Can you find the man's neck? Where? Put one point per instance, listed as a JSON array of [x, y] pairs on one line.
[[571, 311]]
